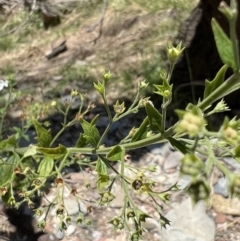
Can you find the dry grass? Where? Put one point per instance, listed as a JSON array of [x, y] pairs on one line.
[[132, 37]]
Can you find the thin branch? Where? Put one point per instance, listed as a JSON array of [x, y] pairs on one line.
[[100, 22]]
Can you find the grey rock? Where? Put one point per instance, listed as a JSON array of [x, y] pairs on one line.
[[59, 234], [70, 230], [73, 206], [159, 149], [232, 162], [221, 187], [173, 160], [183, 182], [188, 223], [118, 202]]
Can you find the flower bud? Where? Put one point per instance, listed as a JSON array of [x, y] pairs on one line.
[[174, 52]]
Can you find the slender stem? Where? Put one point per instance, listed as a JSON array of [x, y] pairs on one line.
[[61, 131], [104, 133], [109, 117], [195, 144], [63, 161], [129, 146], [166, 101]]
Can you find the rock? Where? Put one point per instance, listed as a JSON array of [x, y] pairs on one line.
[[59, 234], [183, 182], [172, 161], [70, 230], [118, 192], [225, 205], [188, 223], [73, 206], [220, 218], [151, 224], [232, 162], [159, 149], [221, 187]]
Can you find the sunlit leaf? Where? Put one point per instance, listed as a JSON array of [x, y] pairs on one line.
[[115, 154], [55, 153], [91, 133], [45, 167], [141, 133], [210, 86], [154, 117], [44, 136], [224, 45]]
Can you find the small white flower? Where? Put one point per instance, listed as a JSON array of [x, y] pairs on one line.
[[3, 83]]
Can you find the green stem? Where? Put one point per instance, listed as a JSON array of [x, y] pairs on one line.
[[109, 117], [129, 146], [166, 101]]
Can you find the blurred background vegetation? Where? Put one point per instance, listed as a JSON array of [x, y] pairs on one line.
[[121, 36]]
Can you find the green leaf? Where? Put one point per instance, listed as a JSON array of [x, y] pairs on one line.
[[55, 153], [101, 167], [142, 131], [210, 86], [154, 117], [45, 167], [179, 145], [8, 143], [91, 133], [103, 181], [115, 154], [165, 90], [224, 45], [82, 141], [44, 137], [94, 120], [31, 151], [7, 167]]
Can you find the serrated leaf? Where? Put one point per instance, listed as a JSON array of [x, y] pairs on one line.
[[45, 167], [142, 131], [101, 167], [154, 117], [115, 154], [7, 167], [91, 133], [81, 142], [224, 45], [210, 86], [44, 137], [8, 143], [55, 153], [31, 151], [179, 145]]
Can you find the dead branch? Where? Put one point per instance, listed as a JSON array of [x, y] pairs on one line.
[[99, 23]]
